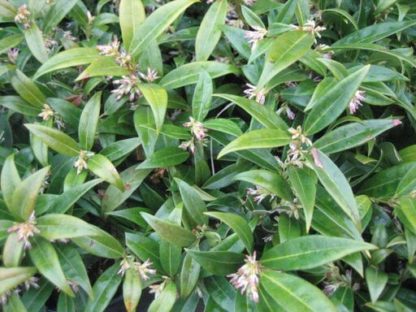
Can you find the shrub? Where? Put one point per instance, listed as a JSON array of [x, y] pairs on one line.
[[223, 156]]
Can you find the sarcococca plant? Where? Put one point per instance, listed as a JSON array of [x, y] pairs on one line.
[[222, 155]]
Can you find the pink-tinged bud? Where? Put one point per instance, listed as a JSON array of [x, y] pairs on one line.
[[396, 122], [316, 159]]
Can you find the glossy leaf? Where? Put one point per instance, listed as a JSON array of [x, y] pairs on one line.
[[163, 158], [131, 14], [88, 122], [103, 168], [218, 262], [157, 98]]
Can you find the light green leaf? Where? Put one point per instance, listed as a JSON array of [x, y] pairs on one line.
[[34, 40], [193, 203], [285, 50], [376, 282], [55, 139], [329, 105], [68, 58], [88, 122], [103, 168], [28, 90], [218, 262], [103, 66], [165, 301], [132, 289], [406, 211], [201, 101], [262, 138], [10, 41], [10, 179], [155, 24], [310, 251], [209, 32], [169, 231], [157, 98], [164, 158], [10, 278], [131, 14], [45, 258], [189, 275], [238, 224], [57, 13]]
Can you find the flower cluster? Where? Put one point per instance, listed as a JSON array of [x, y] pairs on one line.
[[298, 147], [356, 100], [81, 163], [46, 113], [259, 194], [23, 16], [247, 278], [310, 26], [144, 269], [254, 36], [25, 231], [252, 93], [127, 85], [198, 132]]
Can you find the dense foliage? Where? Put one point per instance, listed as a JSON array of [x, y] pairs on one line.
[[224, 155]]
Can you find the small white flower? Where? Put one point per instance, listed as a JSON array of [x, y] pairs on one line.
[[297, 134], [32, 282], [259, 194], [81, 162], [290, 114], [310, 26], [68, 36], [144, 269], [12, 55], [150, 76], [254, 36], [23, 16], [247, 278], [90, 17], [249, 2], [197, 128], [252, 93], [188, 145], [46, 112], [50, 44], [356, 100], [25, 230], [127, 85], [109, 49]]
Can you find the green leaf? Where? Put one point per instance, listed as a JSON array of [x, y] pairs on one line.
[[293, 293], [13, 249], [119, 149], [170, 257], [68, 58], [45, 258], [103, 66], [17, 104], [9, 180], [262, 138], [303, 182], [376, 282], [131, 14], [201, 101], [238, 224], [25, 194], [353, 134], [155, 24], [189, 275], [34, 40], [310, 251], [144, 248], [55, 139], [132, 289], [57, 13], [104, 289], [218, 262], [74, 267], [375, 32], [169, 231], [336, 185], [103, 168], [164, 158], [88, 122], [61, 226], [132, 179], [14, 304], [165, 301], [157, 98], [10, 278], [268, 180], [10, 41], [406, 211], [28, 90], [329, 105], [261, 113], [65, 303], [209, 32], [193, 203], [188, 74], [285, 50]]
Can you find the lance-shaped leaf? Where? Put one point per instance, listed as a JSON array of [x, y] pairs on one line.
[[165, 301], [292, 293], [34, 40], [262, 138], [57, 13], [88, 122], [103, 168], [132, 14], [104, 289], [353, 134], [157, 98], [10, 278], [103, 66], [68, 58], [194, 205], [238, 224], [201, 101], [376, 281], [55, 139], [311, 251], [24, 196], [406, 212], [303, 182], [285, 50], [335, 184], [132, 289], [169, 231], [155, 24], [45, 258], [189, 275], [261, 113], [209, 32], [188, 74], [28, 90], [330, 104], [164, 158], [218, 262], [9, 180]]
